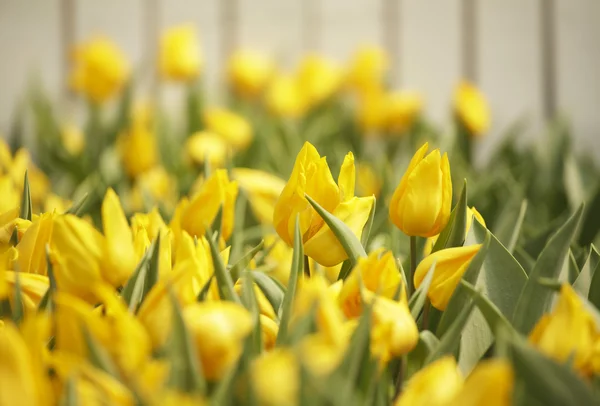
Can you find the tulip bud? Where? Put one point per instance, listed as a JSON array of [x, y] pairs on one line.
[[471, 213], [472, 109], [491, 384], [206, 146], [234, 128], [284, 97], [249, 72], [276, 378], [263, 190], [434, 385], [420, 205], [450, 266], [180, 57]]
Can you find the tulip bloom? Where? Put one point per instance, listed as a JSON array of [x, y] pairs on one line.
[[421, 203], [263, 190], [319, 79], [234, 128], [138, 150], [249, 72], [32, 245], [276, 378], [377, 273], [368, 68], [491, 383], [472, 109], [434, 385], [401, 110], [206, 146], [471, 213], [450, 266], [284, 97], [218, 330], [569, 315], [100, 69], [311, 176], [180, 58]]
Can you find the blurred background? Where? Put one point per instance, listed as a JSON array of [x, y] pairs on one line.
[[533, 59]]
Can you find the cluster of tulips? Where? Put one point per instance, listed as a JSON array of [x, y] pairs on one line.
[[149, 263]]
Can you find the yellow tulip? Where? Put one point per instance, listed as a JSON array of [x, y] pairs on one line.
[[217, 191], [151, 222], [279, 258], [157, 185], [394, 331], [38, 181], [263, 190], [205, 145], [56, 204], [138, 149], [72, 139], [77, 252], [450, 266], [371, 110], [32, 245], [401, 110], [269, 330], [100, 69], [368, 68], [421, 203], [17, 386], [320, 356], [491, 384], [319, 79], [570, 315], [218, 330], [284, 97], [9, 221], [368, 182], [471, 213], [180, 58], [472, 109], [264, 306], [119, 255], [11, 197], [249, 72], [377, 273], [234, 128], [434, 385], [33, 287], [311, 176], [276, 378]]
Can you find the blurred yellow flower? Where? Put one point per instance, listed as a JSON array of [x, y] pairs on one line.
[[138, 149], [32, 245], [234, 128], [450, 266], [16, 167], [55, 203], [100, 69], [491, 384], [377, 273], [249, 72], [472, 109], [434, 385], [33, 287], [269, 329], [216, 192], [72, 139], [368, 68], [218, 330], [284, 97], [156, 185], [402, 108], [320, 355], [319, 79], [206, 146], [311, 176], [263, 190], [368, 182], [11, 196], [421, 202], [371, 110], [9, 221], [570, 315], [276, 378], [471, 213], [179, 57], [279, 258]]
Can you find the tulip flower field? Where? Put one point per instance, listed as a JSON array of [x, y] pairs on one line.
[[310, 238]]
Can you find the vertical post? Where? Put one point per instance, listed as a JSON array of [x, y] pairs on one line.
[[469, 40], [548, 49], [229, 15], [150, 37], [311, 25], [390, 22], [67, 41]]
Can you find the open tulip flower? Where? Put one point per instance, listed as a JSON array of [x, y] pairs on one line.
[[311, 176]]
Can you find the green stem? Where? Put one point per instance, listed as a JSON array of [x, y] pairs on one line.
[[413, 264], [306, 266]]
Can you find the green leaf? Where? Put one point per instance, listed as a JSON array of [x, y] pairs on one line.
[[26, 209], [364, 240], [584, 279], [591, 221], [453, 235], [342, 232], [133, 292], [508, 225], [535, 299], [224, 282], [460, 298], [153, 267], [295, 273], [272, 291], [492, 314], [416, 358], [77, 207], [450, 341], [204, 291], [69, 394], [46, 303], [594, 291], [185, 373], [243, 262], [345, 270], [545, 380], [249, 301], [417, 301], [97, 355]]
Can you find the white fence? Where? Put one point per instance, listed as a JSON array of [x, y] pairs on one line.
[[533, 58]]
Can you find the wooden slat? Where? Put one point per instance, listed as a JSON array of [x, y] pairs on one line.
[[578, 69]]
